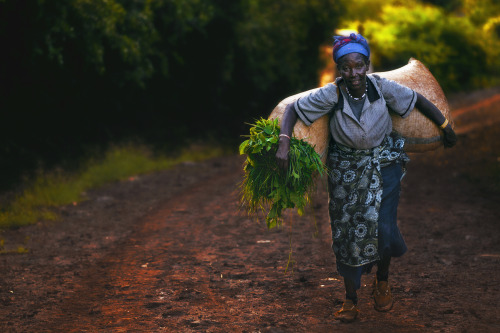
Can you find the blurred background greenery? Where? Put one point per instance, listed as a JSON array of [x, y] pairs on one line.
[[79, 75]]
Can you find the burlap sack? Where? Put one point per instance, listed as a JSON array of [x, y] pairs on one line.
[[317, 135], [421, 133]]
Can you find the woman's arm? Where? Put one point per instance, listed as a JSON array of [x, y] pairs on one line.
[[287, 123], [432, 112], [310, 107]]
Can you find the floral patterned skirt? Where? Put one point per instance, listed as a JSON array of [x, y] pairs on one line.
[[355, 195]]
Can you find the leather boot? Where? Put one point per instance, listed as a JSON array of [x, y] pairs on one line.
[[348, 313], [382, 296]]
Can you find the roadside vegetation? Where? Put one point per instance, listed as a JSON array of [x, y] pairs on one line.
[[458, 40], [56, 188]]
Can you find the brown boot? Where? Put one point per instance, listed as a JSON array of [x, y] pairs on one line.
[[382, 296], [348, 313]]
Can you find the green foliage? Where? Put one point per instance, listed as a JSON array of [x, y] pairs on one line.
[[98, 31], [281, 40], [481, 11], [123, 69], [268, 187], [462, 51], [361, 11]]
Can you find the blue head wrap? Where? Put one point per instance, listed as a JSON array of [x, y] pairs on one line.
[[343, 45]]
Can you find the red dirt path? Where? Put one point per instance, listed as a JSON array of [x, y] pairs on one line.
[[170, 252]]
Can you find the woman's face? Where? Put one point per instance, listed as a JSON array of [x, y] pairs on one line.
[[353, 68]]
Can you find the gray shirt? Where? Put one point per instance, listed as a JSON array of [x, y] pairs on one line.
[[356, 106], [375, 122]]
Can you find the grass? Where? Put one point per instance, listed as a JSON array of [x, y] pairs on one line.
[[57, 188]]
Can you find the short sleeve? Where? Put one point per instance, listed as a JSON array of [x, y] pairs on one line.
[[313, 106], [399, 98]]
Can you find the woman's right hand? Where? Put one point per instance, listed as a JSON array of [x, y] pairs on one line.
[[450, 137], [282, 153]]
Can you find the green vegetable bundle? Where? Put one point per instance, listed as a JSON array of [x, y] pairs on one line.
[[265, 185]]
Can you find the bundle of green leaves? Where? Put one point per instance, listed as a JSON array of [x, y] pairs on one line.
[[266, 186]]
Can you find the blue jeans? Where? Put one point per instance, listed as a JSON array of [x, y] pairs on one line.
[[390, 240]]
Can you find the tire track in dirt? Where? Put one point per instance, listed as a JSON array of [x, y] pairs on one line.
[[121, 289], [187, 266]]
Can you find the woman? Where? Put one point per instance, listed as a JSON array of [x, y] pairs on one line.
[[366, 163]]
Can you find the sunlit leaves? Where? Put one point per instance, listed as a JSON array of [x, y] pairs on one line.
[[451, 40], [480, 11]]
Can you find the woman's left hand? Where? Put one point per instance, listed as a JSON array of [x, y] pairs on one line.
[[450, 138]]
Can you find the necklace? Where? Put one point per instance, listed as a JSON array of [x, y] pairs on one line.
[[357, 98]]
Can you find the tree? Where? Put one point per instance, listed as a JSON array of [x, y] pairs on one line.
[[84, 73], [458, 49]]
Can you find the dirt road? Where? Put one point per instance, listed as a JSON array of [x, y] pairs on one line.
[[170, 252]]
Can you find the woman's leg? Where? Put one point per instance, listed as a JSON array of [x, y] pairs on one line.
[[391, 242], [350, 290], [383, 268]]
